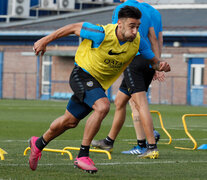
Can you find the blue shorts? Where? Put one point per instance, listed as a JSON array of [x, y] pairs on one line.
[[87, 91]]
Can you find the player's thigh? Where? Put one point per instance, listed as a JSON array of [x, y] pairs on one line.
[[77, 108]]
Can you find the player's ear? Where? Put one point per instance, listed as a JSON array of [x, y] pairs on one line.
[[120, 22]]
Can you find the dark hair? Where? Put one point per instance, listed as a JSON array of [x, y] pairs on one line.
[[129, 12]]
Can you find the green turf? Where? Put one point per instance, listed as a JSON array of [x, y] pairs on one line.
[[19, 120]]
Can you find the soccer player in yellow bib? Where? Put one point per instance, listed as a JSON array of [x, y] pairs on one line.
[[103, 55]]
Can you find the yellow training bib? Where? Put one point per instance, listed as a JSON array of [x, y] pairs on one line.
[[110, 59]]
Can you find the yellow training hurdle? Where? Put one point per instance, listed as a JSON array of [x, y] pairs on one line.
[[52, 150], [162, 125], [91, 150], [186, 130], [65, 150], [2, 152]]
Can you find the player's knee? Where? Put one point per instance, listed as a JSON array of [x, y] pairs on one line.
[[70, 122], [118, 103], [70, 125], [64, 123], [103, 108]]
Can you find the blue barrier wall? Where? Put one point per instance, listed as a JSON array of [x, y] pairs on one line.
[[197, 96], [194, 93]]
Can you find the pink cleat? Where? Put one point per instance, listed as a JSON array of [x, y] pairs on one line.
[[86, 164], [35, 153]]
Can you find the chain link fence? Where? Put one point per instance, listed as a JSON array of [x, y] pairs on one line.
[[172, 91], [18, 85]]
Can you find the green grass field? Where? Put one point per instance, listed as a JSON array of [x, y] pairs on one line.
[[19, 120]]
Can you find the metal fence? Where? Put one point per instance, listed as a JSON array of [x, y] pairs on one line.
[[17, 85], [172, 91]]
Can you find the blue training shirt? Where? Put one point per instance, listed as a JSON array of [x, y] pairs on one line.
[[93, 32], [156, 18], [96, 34]]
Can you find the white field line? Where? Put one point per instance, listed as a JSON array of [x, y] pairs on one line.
[[192, 128], [36, 107], [179, 139], [31, 105], [76, 140], [110, 164], [23, 141]]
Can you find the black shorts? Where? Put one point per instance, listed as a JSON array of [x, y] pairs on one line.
[[86, 90], [81, 81], [137, 76]]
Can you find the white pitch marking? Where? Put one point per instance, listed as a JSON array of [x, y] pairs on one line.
[[23, 141], [111, 164], [78, 140], [179, 139], [176, 128]]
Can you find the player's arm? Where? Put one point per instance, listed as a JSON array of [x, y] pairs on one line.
[[93, 32], [160, 35], [160, 42], [153, 41], [160, 76], [40, 45], [85, 30], [155, 62]]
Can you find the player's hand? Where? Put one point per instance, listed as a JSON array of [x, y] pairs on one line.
[[39, 47], [160, 76], [164, 66]]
